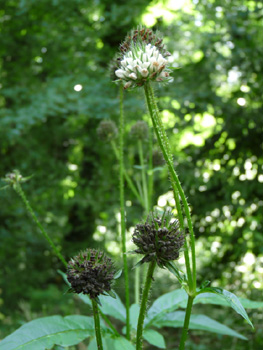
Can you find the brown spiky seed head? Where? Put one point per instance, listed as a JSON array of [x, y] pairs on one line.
[[107, 130], [139, 130], [91, 272], [159, 238]]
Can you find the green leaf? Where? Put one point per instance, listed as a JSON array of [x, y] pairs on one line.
[[134, 315], [44, 333], [164, 304], [122, 343], [211, 298], [170, 265], [201, 322], [232, 300], [117, 274], [154, 338]]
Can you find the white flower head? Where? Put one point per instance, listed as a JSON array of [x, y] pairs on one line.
[[143, 59]]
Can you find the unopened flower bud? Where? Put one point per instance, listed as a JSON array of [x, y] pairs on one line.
[[159, 239], [107, 130], [91, 272], [140, 130]]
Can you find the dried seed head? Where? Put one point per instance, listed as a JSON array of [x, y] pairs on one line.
[[159, 239], [139, 130], [91, 272], [107, 130]]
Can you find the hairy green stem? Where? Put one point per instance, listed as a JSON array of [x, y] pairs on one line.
[[97, 324], [127, 177], [137, 278], [21, 193], [144, 180], [150, 170], [186, 322], [123, 233], [177, 189], [147, 286]]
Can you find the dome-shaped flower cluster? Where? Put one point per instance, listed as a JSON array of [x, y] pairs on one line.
[[142, 63], [159, 239], [142, 58], [91, 272]]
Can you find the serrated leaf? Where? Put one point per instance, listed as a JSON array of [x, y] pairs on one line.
[[155, 338], [44, 333], [232, 300], [200, 322]]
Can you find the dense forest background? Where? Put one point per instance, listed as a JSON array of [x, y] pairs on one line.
[[54, 91]]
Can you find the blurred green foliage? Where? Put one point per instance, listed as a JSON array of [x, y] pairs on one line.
[[212, 111]]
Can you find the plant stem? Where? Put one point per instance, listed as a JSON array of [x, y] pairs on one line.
[[150, 169], [123, 236], [177, 188], [186, 322], [147, 286], [105, 318], [21, 193], [97, 324], [137, 278], [144, 181], [127, 177]]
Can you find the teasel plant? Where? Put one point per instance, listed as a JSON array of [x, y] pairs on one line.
[[143, 61]]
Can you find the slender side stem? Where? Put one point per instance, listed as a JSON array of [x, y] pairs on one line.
[[147, 286], [105, 318], [123, 236], [97, 324], [144, 181], [137, 277], [150, 169], [21, 193], [127, 177], [186, 322], [164, 145]]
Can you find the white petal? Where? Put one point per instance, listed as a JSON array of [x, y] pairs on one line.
[[120, 73], [144, 72], [133, 76]]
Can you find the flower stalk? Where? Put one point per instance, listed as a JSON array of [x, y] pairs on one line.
[[97, 324], [177, 188], [17, 187], [147, 286], [186, 322], [123, 233]]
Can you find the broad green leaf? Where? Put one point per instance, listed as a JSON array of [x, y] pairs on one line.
[[232, 300], [134, 314], [154, 338], [46, 332], [164, 304], [121, 344], [201, 322], [211, 298]]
